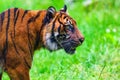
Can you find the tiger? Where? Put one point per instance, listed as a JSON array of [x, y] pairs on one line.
[[24, 31]]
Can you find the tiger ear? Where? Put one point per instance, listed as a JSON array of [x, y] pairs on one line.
[[64, 9], [51, 12]]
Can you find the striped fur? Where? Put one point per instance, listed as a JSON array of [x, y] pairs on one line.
[[24, 31]]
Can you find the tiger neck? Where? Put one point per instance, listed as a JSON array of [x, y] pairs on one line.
[[39, 17]]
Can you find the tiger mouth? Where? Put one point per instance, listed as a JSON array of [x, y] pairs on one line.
[[69, 46], [70, 51]]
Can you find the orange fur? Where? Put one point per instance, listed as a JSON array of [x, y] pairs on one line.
[[22, 32]]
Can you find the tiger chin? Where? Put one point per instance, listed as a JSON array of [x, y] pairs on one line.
[[24, 31]]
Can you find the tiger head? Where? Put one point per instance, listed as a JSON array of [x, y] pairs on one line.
[[61, 31]]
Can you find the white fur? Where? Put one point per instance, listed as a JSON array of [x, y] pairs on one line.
[[49, 44]]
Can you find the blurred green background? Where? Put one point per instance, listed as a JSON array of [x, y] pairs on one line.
[[99, 56]]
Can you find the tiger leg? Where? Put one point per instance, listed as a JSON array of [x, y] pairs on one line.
[[1, 69], [19, 73], [0, 76]]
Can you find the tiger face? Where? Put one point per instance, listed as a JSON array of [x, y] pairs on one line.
[[61, 31]]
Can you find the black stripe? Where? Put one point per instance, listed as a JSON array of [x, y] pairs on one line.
[[38, 14], [30, 20], [6, 44], [25, 12], [38, 34], [14, 44], [29, 42], [52, 33], [26, 64], [60, 22], [16, 17], [60, 16], [15, 10], [2, 18], [53, 26], [8, 22], [44, 22], [37, 40]]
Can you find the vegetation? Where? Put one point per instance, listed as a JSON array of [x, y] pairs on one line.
[[99, 56]]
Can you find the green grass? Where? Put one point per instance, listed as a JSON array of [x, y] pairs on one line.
[[99, 56]]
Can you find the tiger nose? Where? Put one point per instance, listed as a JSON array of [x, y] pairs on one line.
[[81, 40]]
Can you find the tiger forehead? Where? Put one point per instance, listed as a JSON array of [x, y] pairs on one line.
[[65, 18]]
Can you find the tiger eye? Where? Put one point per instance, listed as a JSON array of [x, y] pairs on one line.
[[67, 20], [64, 17]]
